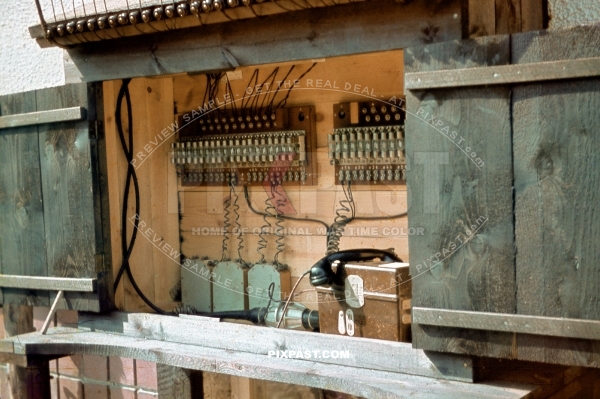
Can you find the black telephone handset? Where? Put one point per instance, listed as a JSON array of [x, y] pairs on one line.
[[322, 274]]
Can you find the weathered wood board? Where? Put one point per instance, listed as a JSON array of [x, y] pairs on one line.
[[458, 144], [53, 194], [557, 186], [22, 236], [73, 235], [384, 25], [553, 146]]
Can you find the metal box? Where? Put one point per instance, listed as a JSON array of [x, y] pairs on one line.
[[375, 302]]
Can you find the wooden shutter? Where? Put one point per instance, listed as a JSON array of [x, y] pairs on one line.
[[53, 199], [526, 284]]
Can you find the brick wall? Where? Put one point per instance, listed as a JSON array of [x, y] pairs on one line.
[[87, 376]]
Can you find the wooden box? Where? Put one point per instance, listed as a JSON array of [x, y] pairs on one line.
[[370, 305]]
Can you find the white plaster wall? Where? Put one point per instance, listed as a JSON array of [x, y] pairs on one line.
[[23, 64], [573, 12]]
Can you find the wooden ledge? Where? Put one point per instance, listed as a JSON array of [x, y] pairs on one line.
[[356, 381]]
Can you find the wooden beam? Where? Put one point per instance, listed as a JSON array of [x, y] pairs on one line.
[[351, 29], [504, 74], [41, 117], [177, 383], [48, 283], [390, 356], [32, 379], [482, 18], [362, 382], [532, 15], [229, 15], [535, 325]]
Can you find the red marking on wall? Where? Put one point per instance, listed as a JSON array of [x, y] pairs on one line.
[[274, 189]]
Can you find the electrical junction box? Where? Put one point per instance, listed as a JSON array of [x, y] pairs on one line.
[[375, 302]]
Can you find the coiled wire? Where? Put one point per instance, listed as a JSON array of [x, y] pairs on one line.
[[226, 225], [341, 220], [238, 226], [262, 241], [280, 202]]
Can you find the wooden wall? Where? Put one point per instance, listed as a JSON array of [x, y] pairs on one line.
[[497, 17], [154, 271], [163, 201], [202, 207]]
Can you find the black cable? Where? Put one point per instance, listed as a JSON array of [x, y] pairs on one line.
[[397, 216], [131, 176], [283, 102], [247, 196]]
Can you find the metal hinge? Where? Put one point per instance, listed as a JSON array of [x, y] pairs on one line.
[[96, 130]]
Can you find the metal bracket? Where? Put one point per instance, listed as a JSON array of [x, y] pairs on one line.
[[43, 117], [96, 130]]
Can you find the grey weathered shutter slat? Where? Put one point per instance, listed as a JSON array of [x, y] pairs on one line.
[[553, 158], [22, 243], [73, 232], [457, 185], [557, 192]]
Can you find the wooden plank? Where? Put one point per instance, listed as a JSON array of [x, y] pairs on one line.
[[532, 15], [388, 82], [555, 212], [68, 187], [41, 117], [158, 169], [32, 379], [242, 388], [534, 325], [175, 383], [22, 236], [508, 16], [141, 261], [465, 261], [155, 270], [365, 353], [504, 74], [116, 166], [240, 12], [216, 386], [360, 382], [385, 26], [272, 389], [482, 18], [48, 283], [561, 44]]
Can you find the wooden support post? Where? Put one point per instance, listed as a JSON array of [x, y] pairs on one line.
[[178, 383], [32, 381], [497, 17], [242, 388]]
